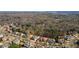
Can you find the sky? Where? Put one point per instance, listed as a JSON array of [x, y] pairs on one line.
[[39, 5]]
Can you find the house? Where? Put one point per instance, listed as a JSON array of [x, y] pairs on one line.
[[51, 41], [43, 39], [1, 37], [36, 37], [17, 40], [68, 37]]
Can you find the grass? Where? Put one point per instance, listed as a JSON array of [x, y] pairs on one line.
[[14, 46]]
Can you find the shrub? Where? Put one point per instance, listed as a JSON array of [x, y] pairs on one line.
[[14, 46]]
